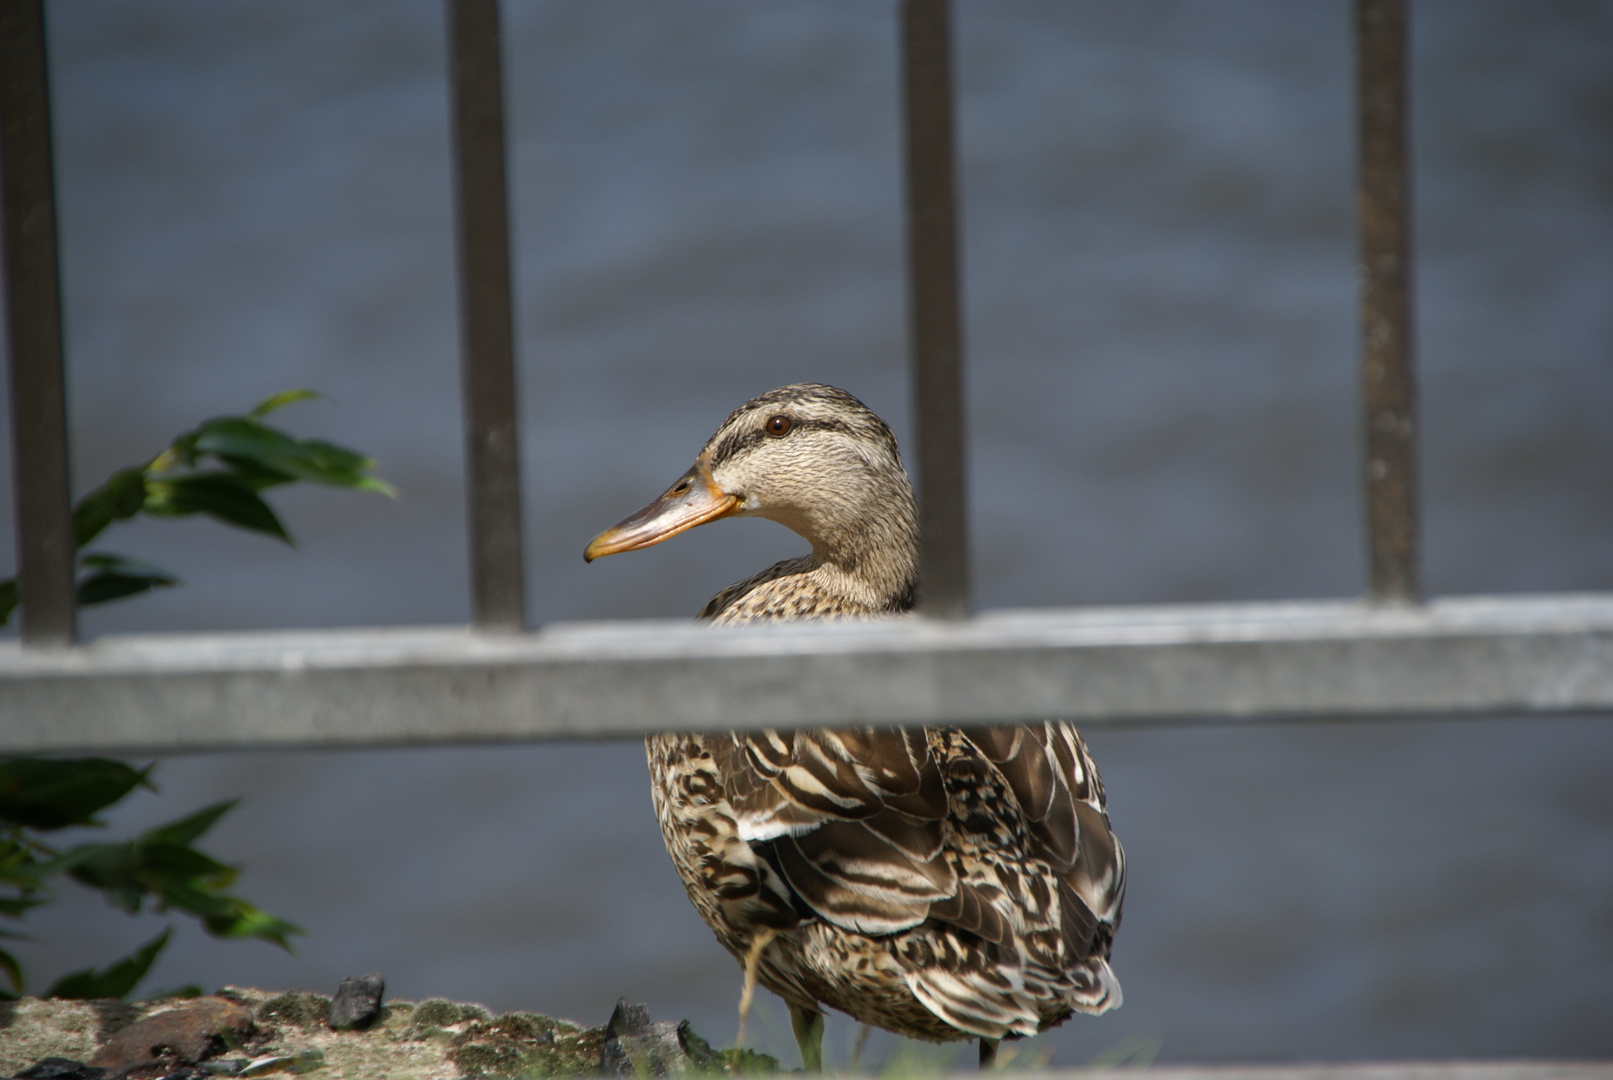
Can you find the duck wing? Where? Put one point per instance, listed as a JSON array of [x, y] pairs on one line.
[[1050, 772], [851, 820], [1030, 835], [874, 832]]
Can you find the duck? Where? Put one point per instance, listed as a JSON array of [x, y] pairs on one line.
[[943, 883]]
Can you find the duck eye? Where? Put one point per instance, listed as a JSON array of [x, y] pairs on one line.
[[777, 425]]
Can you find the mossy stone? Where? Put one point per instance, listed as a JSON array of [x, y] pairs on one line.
[[298, 1007], [438, 1012]]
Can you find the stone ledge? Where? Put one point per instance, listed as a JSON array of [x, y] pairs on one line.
[[427, 1040], [444, 1040]]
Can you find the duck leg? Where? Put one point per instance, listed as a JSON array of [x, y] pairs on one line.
[[808, 1025], [988, 1054], [759, 941], [857, 1048]]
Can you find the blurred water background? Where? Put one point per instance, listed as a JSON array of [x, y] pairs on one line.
[[1158, 236]]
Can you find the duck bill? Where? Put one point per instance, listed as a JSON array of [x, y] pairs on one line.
[[692, 501]]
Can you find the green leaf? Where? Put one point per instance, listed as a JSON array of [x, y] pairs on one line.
[[113, 577], [218, 495], [17, 862], [31, 874], [247, 921], [13, 970], [112, 868], [118, 499], [371, 483], [180, 452], [114, 981], [345, 468], [332, 459], [159, 864], [256, 475], [238, 437], [241, 442], [54, 793], [256, 456], [174, 875], [188, 829], [196, 898], [275, 401], [15, 907], [117, 563]]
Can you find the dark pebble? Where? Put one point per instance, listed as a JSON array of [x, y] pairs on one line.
[[636, 1047], [55, 1068], [357, 1002], [628, 1019]]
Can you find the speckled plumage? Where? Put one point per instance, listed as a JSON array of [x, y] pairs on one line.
[[943, 884]]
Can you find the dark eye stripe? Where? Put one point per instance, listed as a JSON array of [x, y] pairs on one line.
[[740, 441]]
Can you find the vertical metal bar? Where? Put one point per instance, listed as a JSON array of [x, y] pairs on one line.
[[1387, 358], [487, 364], [934, 309], [34, 331]]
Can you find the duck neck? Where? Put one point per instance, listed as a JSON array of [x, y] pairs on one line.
[[869, 558]]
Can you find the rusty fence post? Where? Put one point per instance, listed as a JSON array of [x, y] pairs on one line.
[[1387, 335], [487, 363], [936, 341], [41, 478]]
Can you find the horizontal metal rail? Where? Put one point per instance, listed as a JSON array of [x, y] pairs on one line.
[[1323, 660], [1375, 1070]]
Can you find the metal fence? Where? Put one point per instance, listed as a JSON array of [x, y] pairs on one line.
[[1389, 654]]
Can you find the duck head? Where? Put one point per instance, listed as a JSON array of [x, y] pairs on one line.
[[810, 457]]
